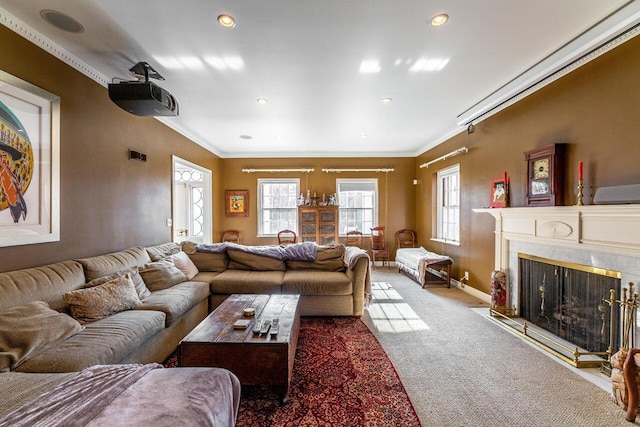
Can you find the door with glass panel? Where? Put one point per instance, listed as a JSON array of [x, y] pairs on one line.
[[191, 202]]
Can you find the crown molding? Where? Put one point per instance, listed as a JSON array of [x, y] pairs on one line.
[[19, 27]]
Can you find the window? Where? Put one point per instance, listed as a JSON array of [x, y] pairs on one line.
[[277, 207], [448, 210], [358, 200]]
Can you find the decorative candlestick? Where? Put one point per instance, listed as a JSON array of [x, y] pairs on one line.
[[580, 187]]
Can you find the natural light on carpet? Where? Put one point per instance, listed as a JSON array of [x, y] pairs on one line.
[[390, 313]]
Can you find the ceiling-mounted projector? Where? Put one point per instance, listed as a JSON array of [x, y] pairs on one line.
[[142, 97]]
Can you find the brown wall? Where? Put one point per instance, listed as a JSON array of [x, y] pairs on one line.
[[594, 110], [396, 190], [107, 202]]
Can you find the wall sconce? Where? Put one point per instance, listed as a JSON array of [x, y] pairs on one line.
[[471, 129], [415, 182]]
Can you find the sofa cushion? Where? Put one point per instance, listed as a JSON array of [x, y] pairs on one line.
[[105, 265], [317, 283], [161, 274], [205, 276], [240, 260], [176, 300], [247, 282], [328, 258], [46, 283], [184, 264], [134, 274], [28, 329], [103, 342], [205, 261], [97, 302], [164, 250]]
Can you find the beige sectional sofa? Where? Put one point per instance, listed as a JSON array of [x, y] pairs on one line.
[[335, 283], [168, 303], [134, 307]]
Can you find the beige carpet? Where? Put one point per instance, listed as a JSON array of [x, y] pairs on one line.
[[461, 369]]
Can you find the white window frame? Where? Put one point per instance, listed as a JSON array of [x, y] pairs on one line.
[[261, 182], [374, 220], [448, 206]]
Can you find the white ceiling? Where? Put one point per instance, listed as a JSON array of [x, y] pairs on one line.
[[305, 56]]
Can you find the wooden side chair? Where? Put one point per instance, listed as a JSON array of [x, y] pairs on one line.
[[406, 238], [378, 249], [354, 238], [231, 236], [287, 237]]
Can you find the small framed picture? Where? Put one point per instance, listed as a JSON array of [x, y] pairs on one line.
[[236, 203], [499, 193]]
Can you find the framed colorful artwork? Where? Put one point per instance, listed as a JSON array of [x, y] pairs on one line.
[[29, 163], [499, 193], [236, 203]]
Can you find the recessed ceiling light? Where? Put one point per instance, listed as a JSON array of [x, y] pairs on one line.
[[246, 137], [439, 19], [61, 21], [227, 21], [262, 100], [386, 100]]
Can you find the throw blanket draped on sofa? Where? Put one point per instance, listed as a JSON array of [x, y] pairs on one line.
[[305, 251], [350, 258], [61, 406]]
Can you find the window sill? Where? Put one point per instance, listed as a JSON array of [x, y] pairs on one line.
[[448, 242]]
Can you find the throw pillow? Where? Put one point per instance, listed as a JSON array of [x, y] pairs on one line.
[[133, 273], [184, 264], [29, 329], [161, 274], [95, 303]]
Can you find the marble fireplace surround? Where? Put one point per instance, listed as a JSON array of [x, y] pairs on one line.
[[601, 236]]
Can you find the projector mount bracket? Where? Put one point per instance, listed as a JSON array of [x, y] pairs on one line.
[[143, 69]]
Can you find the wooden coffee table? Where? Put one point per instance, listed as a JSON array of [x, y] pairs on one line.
[[253, 358]]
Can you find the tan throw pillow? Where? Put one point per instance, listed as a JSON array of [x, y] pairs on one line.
[[161, 274], [158, 252], [135, 277], [95, 303], [184, 264], [28, 329]]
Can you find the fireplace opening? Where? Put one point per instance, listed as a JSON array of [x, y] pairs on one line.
[[570, 302]]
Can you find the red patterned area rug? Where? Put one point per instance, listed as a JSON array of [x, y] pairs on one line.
[[341, 377]]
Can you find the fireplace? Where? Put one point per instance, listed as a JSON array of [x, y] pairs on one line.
[[570, 301], [599, 238]]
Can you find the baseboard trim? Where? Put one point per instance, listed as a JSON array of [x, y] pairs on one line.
[[471, 291]]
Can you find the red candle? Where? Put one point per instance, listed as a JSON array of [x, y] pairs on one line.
[[580, 171]]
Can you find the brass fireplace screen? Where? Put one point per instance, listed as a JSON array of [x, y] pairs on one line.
[[574, 304]]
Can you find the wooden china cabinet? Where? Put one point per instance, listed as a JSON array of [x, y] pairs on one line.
[[318, 224]]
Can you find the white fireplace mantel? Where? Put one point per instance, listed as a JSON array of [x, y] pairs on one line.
[[611, 229]]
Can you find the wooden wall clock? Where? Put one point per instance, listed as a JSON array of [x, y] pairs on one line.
[[545, 173]]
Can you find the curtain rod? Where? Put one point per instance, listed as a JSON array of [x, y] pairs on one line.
[[303, 170], [385, 170], [446, 156]]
